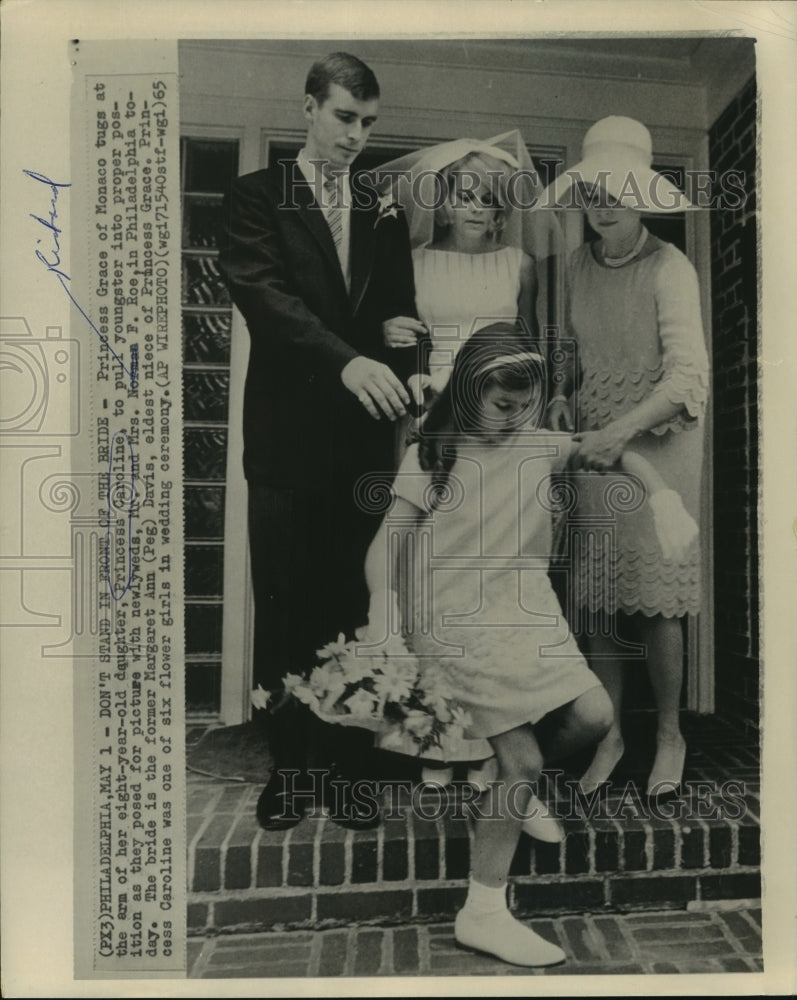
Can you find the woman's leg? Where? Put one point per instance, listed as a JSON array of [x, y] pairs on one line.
[[484, 922], [605, 663], [663, 638]]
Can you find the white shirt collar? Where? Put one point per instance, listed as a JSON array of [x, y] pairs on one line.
[[308, 168]]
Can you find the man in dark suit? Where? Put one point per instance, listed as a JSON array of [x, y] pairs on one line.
[[321, 271]]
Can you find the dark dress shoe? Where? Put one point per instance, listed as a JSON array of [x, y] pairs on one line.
[[350, 803], [278, 808]]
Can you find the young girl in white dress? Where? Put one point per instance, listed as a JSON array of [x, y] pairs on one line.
[[472, 269], [480, 611]]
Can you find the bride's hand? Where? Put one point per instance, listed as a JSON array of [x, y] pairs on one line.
[[418, 386], [402, 331]]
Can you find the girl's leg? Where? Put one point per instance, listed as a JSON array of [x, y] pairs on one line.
[[495, 840], [605, 663], [585, 720], [665, 650], [484, 922]]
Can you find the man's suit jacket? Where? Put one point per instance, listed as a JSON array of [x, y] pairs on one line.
[[302, 427]]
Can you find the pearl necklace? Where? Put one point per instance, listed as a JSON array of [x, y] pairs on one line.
[[619, 261]]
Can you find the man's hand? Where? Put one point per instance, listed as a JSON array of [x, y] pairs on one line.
[[402, 331], [376, 387]]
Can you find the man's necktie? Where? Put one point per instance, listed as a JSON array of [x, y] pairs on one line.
[[334, 203]]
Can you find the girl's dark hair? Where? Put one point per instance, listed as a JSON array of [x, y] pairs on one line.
[[493, 356]]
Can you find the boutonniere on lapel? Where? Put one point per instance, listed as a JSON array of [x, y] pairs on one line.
[[388, 209]]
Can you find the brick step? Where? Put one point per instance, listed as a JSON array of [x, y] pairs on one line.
[[414, 869]]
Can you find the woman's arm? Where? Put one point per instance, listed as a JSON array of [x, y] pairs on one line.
[[684, 385], [602, 449]]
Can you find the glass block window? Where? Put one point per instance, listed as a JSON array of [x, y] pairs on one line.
[[208, 168]]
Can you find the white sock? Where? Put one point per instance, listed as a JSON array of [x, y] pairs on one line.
[[485, 924], [483, 900]]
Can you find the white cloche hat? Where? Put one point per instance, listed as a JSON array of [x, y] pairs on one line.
[[616, 156]]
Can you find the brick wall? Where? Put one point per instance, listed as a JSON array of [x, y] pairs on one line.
[[732, 141], [413, 869]]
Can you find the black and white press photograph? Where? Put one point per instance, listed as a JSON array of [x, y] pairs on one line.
[[471, 363], [399, 537]]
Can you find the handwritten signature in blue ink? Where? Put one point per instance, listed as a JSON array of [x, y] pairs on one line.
[[121, 507], [52, 259]]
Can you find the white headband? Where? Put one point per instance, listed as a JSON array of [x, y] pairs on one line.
[[511, 359]]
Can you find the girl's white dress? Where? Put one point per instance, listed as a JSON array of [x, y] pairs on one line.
[[481, 608], [457, 294]]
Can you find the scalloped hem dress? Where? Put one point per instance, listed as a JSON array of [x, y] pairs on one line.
[[639, 331]]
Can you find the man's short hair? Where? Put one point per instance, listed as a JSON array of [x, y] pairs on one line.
[[346, 71]]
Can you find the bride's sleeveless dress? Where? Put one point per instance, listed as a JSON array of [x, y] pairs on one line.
[[457, 294]]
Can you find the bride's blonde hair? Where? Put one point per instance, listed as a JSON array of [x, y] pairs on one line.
[[493, 175]]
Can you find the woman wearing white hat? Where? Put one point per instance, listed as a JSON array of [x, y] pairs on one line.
[[634, 311]]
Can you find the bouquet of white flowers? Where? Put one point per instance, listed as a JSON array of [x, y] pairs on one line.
[[384, 691]]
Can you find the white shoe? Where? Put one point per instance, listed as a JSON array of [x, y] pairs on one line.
[[668, 766], [440, 776], [481, 776], [501, 935], [542, 824]]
